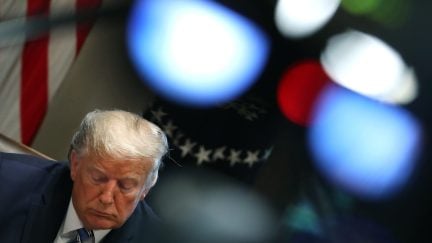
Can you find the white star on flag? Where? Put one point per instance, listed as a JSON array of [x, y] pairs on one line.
[[219, 153], [234, 156], [203, 155], [250, 116], [251, 158], [169, 128], [158, 114], [186, 147]]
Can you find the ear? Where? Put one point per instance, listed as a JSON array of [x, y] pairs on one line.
[[74, 163], [147, 189], [155, 177], [144, 193]]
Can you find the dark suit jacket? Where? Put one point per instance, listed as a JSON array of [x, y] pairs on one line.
[[34, 196]]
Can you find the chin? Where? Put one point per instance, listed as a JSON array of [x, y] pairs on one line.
[[99, 226], [101, 223]]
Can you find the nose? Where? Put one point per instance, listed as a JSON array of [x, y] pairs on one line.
[[106, 196]]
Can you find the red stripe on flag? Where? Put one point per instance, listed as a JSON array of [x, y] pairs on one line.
[[34, 77], [84, 28]]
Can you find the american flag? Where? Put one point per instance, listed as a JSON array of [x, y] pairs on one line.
[[234, 139], [32, 70]]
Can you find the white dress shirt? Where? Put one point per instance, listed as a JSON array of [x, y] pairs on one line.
[[71, 223]]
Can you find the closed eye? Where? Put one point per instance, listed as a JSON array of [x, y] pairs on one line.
[[98, 177], [127, 184]]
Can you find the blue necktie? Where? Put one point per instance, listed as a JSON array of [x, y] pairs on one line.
[[84, 236]]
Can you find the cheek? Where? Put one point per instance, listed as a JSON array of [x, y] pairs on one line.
[[91, 193], [87, 192]]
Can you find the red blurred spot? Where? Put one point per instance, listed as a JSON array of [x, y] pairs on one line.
[[299, 89]]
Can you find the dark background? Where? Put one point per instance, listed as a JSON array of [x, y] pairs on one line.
[[289, 173]]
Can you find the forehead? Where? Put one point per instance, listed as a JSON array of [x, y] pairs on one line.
[[118, 167]]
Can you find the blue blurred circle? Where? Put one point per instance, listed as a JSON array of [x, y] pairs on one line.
[[195, 52], [364, 146]]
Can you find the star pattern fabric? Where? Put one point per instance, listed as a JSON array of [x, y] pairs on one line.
[[235, 138]]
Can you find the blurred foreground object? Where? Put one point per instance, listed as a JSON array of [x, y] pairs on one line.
[[195, 52], [299, 88], [299, 19], [389, 13], [365, 64], [364, 146], [199, 206]]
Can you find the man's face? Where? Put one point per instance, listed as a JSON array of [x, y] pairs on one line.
[[105, 191]]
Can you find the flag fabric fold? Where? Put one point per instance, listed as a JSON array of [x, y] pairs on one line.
[[31, 71]]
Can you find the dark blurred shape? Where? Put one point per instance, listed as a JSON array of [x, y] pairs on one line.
[[324, 214], [200, 206], [350, 229]]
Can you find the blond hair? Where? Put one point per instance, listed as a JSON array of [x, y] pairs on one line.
[[118, 134]]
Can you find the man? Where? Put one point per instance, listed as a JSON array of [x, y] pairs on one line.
[[114, 161]]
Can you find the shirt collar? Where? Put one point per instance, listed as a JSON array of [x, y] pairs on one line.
[[72, 223]]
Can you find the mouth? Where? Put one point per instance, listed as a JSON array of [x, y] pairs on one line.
[[102, 214]]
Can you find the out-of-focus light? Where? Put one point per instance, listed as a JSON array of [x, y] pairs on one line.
[[365, 64], [391, 13], [195, 52], [299, 88], [205, 207], [297, 19], [361, 7], [406, 92], [346, 229], [302, 217], [366, 147]]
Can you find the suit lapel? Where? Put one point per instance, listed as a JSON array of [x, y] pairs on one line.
[[48, 210], [138, 228], [124, 233]]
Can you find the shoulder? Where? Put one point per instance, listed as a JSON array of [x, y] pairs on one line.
[[143, 218], [27, 161], [147, 212], [147, 224], [20, 169], [142, 224], [143, 215]]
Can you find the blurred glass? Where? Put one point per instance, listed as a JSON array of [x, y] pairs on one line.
[[363, 146], [195, 52], [298, 19], [367, 65], [299, 88], [200, 206]]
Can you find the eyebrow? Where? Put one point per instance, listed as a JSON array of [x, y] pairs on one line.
[[129, 179], [97, 169]]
